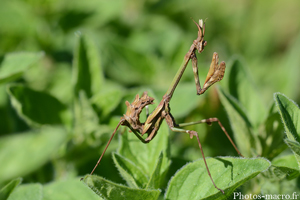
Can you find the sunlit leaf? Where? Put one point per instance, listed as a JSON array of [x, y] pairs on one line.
[[15, 64], [240, 124], [130, 172], [27, 192], [295, 147], [73, 189], [192, 180], [155, 178], [290, 114], [243, 89], [284, 166], [18, 150], [87, 70], [109, 190]]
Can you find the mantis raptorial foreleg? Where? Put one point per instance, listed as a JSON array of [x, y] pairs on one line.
[[195, 70], [215, 73]]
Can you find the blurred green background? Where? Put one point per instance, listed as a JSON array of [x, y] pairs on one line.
[[264, 33], [141, 44]]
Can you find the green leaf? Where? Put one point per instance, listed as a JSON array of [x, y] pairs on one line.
[[130, 67], [18, 150], [27, 192], [60, 82], [243, 89], [288, 80], [271, 136], [72, 189], [9, 188], [108, 98], [85, 119], [288, 161], [192, 180], [156, 177], [285, 166], [109, 190], [15, 64], [145, 155], [131, 173], [295, 147], [240, 124], [290, 115], [271, 189], [35, 107], [87, 70], [16, 25]]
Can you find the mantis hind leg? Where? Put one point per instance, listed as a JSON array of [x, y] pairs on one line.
[[194, 133], [171, 123], [209, 121], [177, 128]]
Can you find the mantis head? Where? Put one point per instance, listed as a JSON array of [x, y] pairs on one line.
[[200, 43]]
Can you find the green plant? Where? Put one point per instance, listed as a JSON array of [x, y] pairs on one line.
[[258, 131], [141, 44], [143, 167]]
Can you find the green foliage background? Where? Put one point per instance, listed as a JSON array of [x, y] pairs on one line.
[[67, 68]]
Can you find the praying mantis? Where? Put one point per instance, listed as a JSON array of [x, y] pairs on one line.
[[162, 112]]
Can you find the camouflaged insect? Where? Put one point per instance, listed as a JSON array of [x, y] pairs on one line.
[[131, 118]]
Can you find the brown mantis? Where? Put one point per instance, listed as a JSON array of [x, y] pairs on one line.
[[162, 111]]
